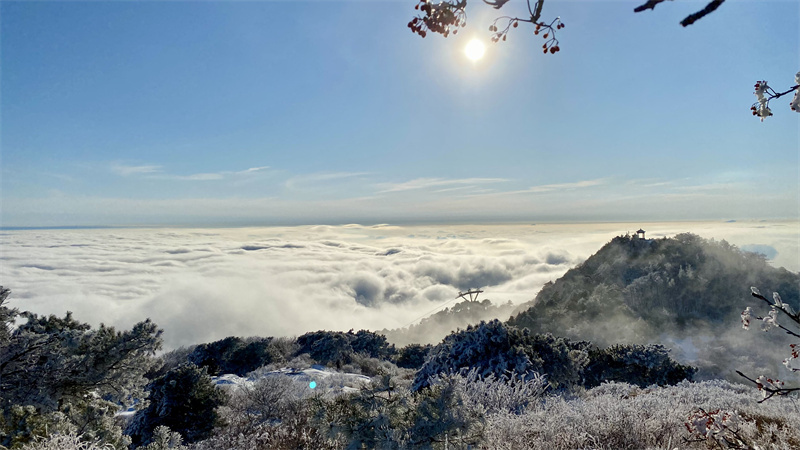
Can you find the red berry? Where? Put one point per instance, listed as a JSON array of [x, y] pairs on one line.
[[536, 31], [545, 35], [516, 24], [504, 38]]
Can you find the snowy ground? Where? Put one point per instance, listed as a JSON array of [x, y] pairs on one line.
[[316, 377]]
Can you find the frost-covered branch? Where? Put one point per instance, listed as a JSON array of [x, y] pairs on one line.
[[764, 93], [768, 386]]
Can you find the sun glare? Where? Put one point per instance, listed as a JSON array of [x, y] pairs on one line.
[[475, 50]]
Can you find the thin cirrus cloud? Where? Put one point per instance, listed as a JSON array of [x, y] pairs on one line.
[[548, 188], [156, 172], [321, 179], [427, 183], [125, 170], [567, 186]]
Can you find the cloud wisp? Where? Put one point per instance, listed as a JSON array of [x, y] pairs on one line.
[[156, 172], [126, 171], [428, 183]]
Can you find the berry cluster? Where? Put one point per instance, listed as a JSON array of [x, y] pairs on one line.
[[443, 18], [795, 355], [551, 43]]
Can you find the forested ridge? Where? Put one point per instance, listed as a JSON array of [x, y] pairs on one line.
[[685, 292]]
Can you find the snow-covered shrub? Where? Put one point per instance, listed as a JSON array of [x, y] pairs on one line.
[[272, 398], [275, 412], [619, 415], [490, 348], [441, 415], [22, 424], [369, 366], [165, 439], [499, 349], [69, 441], [297, 433], [507, 393], [377, 416]]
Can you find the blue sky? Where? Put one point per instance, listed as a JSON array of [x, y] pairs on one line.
[[262, 112]]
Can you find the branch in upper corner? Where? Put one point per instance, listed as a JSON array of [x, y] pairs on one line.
[[710, 7], [692, 18], [651, 4], [496, 4]]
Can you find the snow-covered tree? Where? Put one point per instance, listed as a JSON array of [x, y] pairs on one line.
[[55, 369]]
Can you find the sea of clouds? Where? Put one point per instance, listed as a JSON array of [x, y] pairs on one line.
[[201, 285]]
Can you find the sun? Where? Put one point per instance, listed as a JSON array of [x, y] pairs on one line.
[[475, 49]]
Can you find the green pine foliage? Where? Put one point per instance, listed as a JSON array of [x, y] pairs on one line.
[[336, 348], [234, 355], [412, 356], [185, 400]]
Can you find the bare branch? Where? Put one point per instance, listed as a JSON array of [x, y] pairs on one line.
[[692, 18], [710, 7], [651, 4], [548, 30], [496, 4]]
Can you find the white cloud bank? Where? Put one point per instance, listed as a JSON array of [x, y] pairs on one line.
[[205, 284]]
